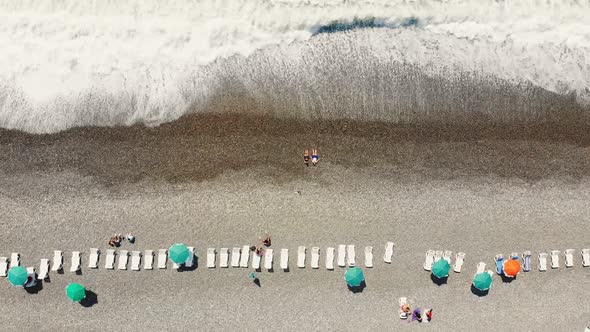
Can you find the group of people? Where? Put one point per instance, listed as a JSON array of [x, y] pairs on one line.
[[406, 311], [263, 242], [314, 156], [116, 240]]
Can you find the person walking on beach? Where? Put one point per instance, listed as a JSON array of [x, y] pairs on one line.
[[428, 315], [255, 279], [314, 157], [306, 156], [266, 240]]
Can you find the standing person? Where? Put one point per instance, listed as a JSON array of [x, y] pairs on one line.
[[428, 315], [255, 279], [306, 156], [266, 240], [314, 157]]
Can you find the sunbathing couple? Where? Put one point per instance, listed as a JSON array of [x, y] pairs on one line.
[[116, 240], [314, 156], [406, 312], [266, 242]]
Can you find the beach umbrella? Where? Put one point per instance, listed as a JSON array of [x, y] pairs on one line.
[[482, 281], [354, 276], [178, 253], [441, 268], [18, 276], [76, 292], [511, 268]]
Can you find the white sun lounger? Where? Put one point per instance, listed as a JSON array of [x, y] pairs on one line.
[[481, 268], [526, 261], [148, 260], [342, 255], [93, 258], [330, 258], [162, 258], [210, 258], [459, 259], [44, 269], [315, 258], [447, 256], [285, 259], [58, 260], [110, 260], [256, 259], [75, 261], [224, 257], [585, 257], [268, 259], [123, 258], [135, 260], [388, 252], [437, 255], [569, 257], [542, 262], [14, 260], [245, 256], [554, 259], [429, 260], [368, 256], [3, 266], [235, 257], [190, 260], [301, 257], [351, 255]]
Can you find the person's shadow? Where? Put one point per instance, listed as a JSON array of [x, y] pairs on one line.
[[357, 289], [257, 282], [90, 299]]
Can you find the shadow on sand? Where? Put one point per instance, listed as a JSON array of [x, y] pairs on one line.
[[439, 281], [357, 289], [90, 299], [479, 292]]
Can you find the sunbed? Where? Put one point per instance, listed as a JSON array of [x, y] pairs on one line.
[[514, 256], [256, 258], [542, 262], [499, 259], [93, 258], [210, 258], [429, 260], [3, 266], [14, 260], [245, 256], [459, 259], [285, 259], [526, 261], [585, 257], [190, 261], [301, 257], [438, 255], [351, 255], [44, 269], [315, 258], [341, 255], [58, 260], [481, 268], [32, 277], [75, 261], [268, 259], [447, 256], [162, 258], [235, 257], [135, 260], [110, 260], [388, 252], [569, 257], [123, 258], [368, 256], [224, 257], [330, 258], [148, 260], [554, 259]]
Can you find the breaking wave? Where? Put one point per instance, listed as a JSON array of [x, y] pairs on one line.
[[67, 63]]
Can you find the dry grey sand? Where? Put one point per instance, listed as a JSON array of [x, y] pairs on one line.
[[480, 192]]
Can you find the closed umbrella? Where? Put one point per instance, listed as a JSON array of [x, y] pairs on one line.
[[76, 292], [441, 268], [482, 281], [511, 268], [354, 276], [17, 275], [178, 253]]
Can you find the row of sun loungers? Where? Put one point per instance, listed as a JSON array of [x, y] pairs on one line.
[[435, 256], [543, 259]]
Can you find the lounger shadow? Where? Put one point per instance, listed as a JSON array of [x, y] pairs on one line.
[[90, 299], [36, 289], [439, 281], [479, 292], [79, 272], [357, 289]]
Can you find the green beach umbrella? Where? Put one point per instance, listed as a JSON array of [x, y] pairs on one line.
[[354, 276], [441, 269], [178, 253], [482, 281], [17, 276], [76, 292]]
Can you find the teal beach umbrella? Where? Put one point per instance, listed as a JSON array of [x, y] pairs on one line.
[[441, 269], [482, 281], [17, 276], [178, 253], [76, 292], [354, 276]]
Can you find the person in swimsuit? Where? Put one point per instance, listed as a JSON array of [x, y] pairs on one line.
[[306, 157], [266, 240], [314, 157]]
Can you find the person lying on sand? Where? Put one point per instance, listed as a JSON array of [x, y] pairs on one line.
[[306, 157], [266, 240], [314, 157]]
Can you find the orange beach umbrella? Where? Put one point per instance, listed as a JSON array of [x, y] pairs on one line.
[[511, 268]]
